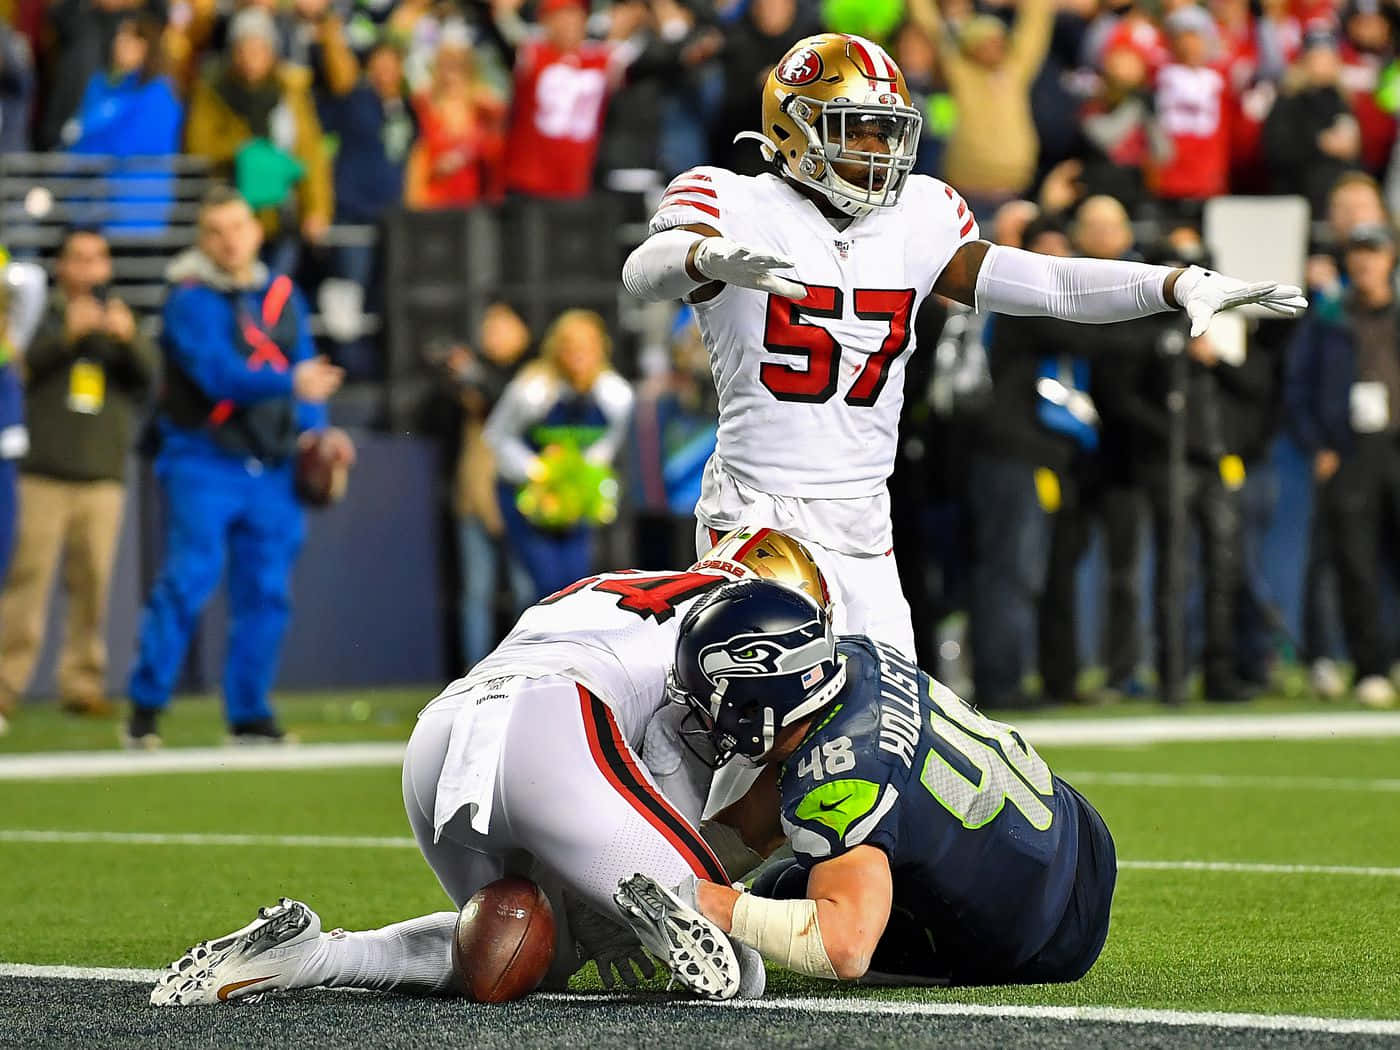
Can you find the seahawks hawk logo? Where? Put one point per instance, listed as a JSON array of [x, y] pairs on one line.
[[759, 655]]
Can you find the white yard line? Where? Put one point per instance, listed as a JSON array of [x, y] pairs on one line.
[[1165, 728], [866, 1005], [1229, 780], [143, 838], [1082, 732], [1252, 868], [196, 839]]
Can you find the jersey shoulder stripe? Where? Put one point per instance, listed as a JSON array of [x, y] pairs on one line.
[[964, 213], [699, 195]]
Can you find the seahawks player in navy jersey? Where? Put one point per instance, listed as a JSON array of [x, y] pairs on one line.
[[931, 844]]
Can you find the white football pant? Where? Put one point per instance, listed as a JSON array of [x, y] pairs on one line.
[[572, 803]]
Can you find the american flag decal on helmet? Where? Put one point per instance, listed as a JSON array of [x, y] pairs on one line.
[[811, 677]]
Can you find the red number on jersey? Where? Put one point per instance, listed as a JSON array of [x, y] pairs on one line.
[[875, 304], [785, 332], [647, 596]]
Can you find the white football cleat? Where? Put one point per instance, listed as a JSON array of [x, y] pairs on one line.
[[265, 956], [696, 951]]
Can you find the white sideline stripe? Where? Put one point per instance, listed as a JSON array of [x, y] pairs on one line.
[[865, 1005], [1082, 732], [1230, 780], [144, 838], [56, 764]]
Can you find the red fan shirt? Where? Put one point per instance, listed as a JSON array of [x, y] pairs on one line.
[[557, 118], [1192, 110]]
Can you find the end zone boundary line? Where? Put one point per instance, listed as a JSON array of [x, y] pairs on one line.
[[866, 1005]]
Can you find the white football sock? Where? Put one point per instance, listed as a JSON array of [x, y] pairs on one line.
[[413, 956]]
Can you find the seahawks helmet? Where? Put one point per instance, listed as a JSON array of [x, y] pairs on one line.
[[752, 657]]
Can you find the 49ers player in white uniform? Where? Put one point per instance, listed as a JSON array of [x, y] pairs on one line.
[[530, 764], [810, 365]]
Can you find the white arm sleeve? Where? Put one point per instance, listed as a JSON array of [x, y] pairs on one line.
[[615, 397], [504, 431], [655, 271], [1096, 291]]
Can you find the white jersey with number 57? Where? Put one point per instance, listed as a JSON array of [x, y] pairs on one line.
[[810, 391]]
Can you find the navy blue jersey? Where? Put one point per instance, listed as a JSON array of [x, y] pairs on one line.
[[984, 841]]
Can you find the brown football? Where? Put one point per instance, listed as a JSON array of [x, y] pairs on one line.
[[504, 941], [320, 480]]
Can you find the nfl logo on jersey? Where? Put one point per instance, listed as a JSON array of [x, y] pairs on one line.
[[843, 248]]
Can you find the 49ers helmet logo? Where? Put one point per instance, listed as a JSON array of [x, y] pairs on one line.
[[801, 67]]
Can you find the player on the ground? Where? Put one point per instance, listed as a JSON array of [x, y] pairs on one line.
[[806, 281], [931, 844], [528, 765]]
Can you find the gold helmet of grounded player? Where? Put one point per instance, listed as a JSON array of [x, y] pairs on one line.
[[771, 555], [838, 116]]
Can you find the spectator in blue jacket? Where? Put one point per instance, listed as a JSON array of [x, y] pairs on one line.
[[130, 111], [243, 388], [376, 127], [1343, 407]]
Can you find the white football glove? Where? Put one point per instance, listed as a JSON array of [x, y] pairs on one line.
[[1204, 293], [721, 259]]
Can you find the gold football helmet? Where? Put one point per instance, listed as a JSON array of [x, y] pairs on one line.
[[772, 555], [830, 93]]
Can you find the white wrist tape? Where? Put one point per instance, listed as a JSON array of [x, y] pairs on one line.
[[1096, 291], [730, 848], [784, 932], [655, 271]]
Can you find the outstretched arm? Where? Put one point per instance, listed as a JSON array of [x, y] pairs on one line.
[[830, 933], [694, 262], [995, 278]]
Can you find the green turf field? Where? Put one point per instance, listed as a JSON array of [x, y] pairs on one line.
[[1273, 940]]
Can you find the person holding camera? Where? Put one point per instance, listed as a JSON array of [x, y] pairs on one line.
[[244, 391], [1139, 391], [478, 376], [87, 371]]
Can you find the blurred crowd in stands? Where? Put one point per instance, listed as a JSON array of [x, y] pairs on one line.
[[1096, 127]]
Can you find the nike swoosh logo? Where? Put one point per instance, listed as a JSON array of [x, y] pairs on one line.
[[229, 989], [823, 807]]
